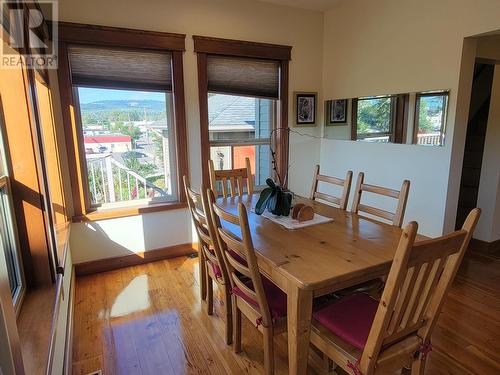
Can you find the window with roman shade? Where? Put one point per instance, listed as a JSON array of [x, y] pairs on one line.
[[243, 93], [128, 139]]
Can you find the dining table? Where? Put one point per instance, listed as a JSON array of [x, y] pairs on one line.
[[316, 260]]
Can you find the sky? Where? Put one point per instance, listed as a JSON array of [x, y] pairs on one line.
[[89, 95]]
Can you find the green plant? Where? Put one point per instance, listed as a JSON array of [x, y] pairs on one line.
[[276, 199]]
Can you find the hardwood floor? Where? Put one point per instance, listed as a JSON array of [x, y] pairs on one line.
[[148, 319]]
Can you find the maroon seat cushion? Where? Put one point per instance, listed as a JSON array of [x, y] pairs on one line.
[[276, 298], [216, 269], [350, 318]]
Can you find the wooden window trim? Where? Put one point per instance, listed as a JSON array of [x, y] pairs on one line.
[[120, 37], [204, 46], [241, 48], [417, 110], [127, 38]]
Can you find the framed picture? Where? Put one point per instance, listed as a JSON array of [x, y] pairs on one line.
[[305, 108], [338, 111]]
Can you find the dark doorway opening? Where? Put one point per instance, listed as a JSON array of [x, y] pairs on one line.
[[475, 139]]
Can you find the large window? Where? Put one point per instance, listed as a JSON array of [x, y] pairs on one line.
[[129, 145], [239, 128], [123, 105], [243, 92], [430, 118]]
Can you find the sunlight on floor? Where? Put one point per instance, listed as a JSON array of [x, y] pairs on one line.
[[133, 298]]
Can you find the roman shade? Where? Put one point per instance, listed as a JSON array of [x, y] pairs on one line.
[[243, 76], [117, 67]]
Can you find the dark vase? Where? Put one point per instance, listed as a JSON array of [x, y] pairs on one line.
[[276, 199]]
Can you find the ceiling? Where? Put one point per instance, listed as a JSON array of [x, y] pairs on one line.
[[320, 5]]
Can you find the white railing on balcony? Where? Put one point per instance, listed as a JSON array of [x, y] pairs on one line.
[[381, 139], [111, 181], [431, 139]]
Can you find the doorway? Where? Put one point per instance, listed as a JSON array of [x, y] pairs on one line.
[[474, 143]]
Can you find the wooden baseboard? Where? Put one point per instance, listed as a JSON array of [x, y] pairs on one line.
[[109, 264], [490, 248], [68, 350]]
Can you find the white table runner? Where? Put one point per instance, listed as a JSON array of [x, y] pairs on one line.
[[289, 223]]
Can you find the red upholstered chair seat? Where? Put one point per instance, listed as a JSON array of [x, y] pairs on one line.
[[276, 298], [216, 269], [350, 318]]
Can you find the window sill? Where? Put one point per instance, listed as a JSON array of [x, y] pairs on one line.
[[113, 213]]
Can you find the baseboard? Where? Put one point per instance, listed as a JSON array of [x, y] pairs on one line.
[[109, 264], [68, 350], [489, 248]]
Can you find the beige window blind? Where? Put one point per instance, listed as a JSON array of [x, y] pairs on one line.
[[116, 67], [243, 76]]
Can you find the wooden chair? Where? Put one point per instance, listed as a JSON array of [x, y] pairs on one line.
[[346, 184], [402, 196], [212, 265], [235, 178], [367, 337], [262, 302]]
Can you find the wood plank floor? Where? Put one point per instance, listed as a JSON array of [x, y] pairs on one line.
[[148, 319]]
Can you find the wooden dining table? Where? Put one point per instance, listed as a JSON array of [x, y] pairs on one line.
[[313, 261]]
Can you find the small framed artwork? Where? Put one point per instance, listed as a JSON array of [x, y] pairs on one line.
[[305, 108], [338, 111]]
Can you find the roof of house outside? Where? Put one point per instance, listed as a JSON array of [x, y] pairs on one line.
[[228, 112], [112, 138]]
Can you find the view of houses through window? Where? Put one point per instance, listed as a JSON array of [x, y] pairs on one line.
[[129, 147], [239, 128]]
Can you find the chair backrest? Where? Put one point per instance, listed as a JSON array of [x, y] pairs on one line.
[[346, 184], [234, 177], [401, 195], [198, 206], [231, 245], [418, 282]]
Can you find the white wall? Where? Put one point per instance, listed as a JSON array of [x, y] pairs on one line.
[[392, 46], [234, 19], [488, 228], [129, 235]]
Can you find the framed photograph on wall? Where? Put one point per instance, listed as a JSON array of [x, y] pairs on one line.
[[338, 111], [305, 108]]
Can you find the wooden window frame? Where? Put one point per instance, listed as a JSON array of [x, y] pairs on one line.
[[400, 118], [417, 111], [204, 46], [72, 33]]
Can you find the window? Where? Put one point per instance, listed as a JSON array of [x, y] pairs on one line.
[[239, 128], [7, 241], [8, 237], [129, 152], [430, 118], [50, 150], [123, 97], [375, 118], [243, 105], [379, 119]]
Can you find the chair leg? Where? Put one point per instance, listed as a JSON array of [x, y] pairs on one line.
[[328, 364], [203, 275], [268, 351], [236, 327], [210, 295], [418, 366], [229, 315]]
